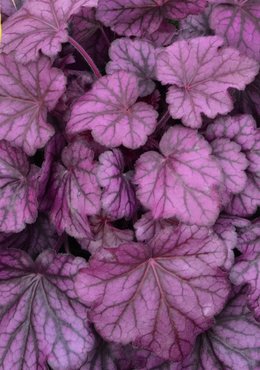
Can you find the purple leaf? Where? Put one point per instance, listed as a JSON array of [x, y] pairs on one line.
[[241, 129], [147, 227], [233, 163], [136, 56], [34, 239], [118, 197], [111, 112], [195, 25], [18, 189], [233, 342], [182, 181], [169, 290], [246, 270], [75, 190], [165, 35], [105, 235], [200, 71], [39, 26], [249, 98], [41, 321], [141, 17], [27, 93], [238, 23]]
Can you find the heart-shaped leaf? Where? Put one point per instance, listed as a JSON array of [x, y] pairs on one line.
[[201, 71], [181, 182], [169, 289], [111, 112], [39, 26]]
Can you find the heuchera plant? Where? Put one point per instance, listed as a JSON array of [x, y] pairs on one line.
[[130, 185]]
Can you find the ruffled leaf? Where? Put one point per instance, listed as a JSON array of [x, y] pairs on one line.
[[18, 189], [111, 112], [118, 197], [181, 182], [170, 290], [39, 26], [41, 321], [27, 93], [75, 190], [201, 71]]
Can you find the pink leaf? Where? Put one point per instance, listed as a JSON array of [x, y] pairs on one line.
[[118, 197], [105, 235], [233, 163], [111, 112], [39, 26], [182, 181], [246, 270], [240, 128], [136, 56], [27, 93], [41, 321], [18, 189], [147, 227], [165, 300], [238, 23], [140, 17], [201, 71], [34, 239], [232, 343], [75, 189]]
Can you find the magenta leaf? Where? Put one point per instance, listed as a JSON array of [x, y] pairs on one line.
[[170, 290], [136, 56], [195, 25], [18, 189], [39, 26], [246, 270], [240, 128], [238, 23], [75, 190], [232, 343], [182, 181], [41, 321], [147, 227], [104, 235], [246, 202], [118, 197], [201, 71], [34, 239], [233, 163], [164, 36], [27, 93], [141, 17], [111, 112]]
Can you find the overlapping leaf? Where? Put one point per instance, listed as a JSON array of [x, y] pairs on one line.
[[169, 290], [75, 190], [136, 56], [104, 235], [140, 17], [238, 22], [27, 93], [111, 112], [39, 26], [41, 321], [246, 270], [118, 197], [181, 182], [232, 343], [34, 239], [201, 71], [18, 189]]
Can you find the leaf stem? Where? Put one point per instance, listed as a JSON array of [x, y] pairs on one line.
[[86, 56], [164, 119]]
